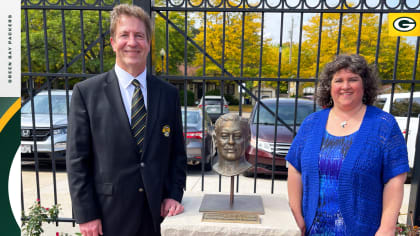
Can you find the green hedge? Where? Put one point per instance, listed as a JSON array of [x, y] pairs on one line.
[[190, 98]]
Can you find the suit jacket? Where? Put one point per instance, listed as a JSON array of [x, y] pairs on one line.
[[108, 179]]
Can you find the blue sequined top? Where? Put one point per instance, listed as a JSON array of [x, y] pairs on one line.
[[328, 220]]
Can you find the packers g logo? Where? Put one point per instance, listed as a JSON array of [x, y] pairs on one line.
[[404, 24]]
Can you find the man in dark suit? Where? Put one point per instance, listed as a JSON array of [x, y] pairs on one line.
[[126, 160]]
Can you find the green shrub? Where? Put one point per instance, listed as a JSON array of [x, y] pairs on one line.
[[215, 92], [231, 99], [190, 98]]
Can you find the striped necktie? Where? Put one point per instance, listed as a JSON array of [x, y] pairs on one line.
[[138, 116]]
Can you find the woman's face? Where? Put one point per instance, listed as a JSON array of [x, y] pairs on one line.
[[346, 89]]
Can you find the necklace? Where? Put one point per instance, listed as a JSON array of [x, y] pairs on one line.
[[352, 116]]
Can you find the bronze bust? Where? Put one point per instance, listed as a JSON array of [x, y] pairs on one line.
[[232, 139]]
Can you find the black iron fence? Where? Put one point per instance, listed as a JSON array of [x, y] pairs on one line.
[[237, 49]]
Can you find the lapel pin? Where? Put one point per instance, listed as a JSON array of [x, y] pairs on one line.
[[166, 130]]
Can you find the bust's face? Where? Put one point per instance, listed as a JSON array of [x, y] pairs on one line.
[[230, 141]]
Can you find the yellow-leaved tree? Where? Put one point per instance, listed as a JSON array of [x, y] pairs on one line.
[[232, 47], [348, 44]]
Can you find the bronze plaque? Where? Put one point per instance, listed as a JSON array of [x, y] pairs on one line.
[[244, 204], [222, 217]]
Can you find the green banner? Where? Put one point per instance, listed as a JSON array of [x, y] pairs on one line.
[[10, 141], [10, 85]]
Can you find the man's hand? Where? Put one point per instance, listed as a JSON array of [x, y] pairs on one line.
[[91, 228], [170, 207]]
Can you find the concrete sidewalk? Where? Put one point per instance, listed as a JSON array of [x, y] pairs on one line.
[[211, 180]]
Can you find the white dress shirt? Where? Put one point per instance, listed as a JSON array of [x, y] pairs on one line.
[[127, 89]]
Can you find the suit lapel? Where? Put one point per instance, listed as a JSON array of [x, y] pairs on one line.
[[113, 94], [153, 96]]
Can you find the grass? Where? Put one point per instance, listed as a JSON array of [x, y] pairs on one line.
[[245, 108]]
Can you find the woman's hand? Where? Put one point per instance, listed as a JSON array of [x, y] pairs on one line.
[[302, 229], [294, 187], [392, 199], [301, 224]]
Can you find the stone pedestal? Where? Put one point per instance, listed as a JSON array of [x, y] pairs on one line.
[[277, 221]]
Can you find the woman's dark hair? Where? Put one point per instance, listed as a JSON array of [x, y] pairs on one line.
[[356, 64]]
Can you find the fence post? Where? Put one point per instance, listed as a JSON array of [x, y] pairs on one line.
[[146, 5], [414, 203]]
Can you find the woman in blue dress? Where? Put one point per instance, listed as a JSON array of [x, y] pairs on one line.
[[348, 162]]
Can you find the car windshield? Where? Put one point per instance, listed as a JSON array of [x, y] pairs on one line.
[[193, 117], [401, 105], [213, 101], [58, 103], [380, 103], [285, 112]]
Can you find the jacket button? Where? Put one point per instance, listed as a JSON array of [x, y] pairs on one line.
[[142, 164], [141, 189]]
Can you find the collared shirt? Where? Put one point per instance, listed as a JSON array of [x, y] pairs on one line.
[[127, 89]]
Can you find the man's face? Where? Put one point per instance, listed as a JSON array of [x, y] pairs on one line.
[[230, 141], [130, 44]]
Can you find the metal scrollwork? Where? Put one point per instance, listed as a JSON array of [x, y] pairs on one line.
[[68, 4], [292, 5], [216, 5], [33, 3], [309, 4], [375, 4], [250, 5], [273, 6], [241, 5], [201, 2], [176, 3], [108, 3], [86, 2], [351, 4], [72, 2], [415, 7], [230, 3], [332, 4], [52, 3], [389, 2]]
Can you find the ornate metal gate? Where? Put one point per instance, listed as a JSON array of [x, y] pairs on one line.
[[242, 49]]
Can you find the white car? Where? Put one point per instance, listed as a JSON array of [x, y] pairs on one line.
[[213, 105], [45, 139], [400, 107]]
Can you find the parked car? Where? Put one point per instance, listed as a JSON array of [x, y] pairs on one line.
[[400, 107], [195, 138], [43, 133], [266, 122], [213, 104]]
